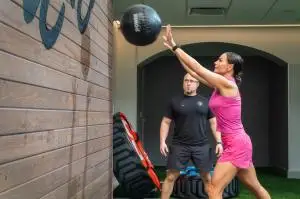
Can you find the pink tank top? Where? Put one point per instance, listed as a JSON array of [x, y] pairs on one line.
[[228, 113]]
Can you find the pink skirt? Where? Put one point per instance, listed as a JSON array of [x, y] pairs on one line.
[[237, 149]]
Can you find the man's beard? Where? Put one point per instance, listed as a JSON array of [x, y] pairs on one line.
[[189, 92]]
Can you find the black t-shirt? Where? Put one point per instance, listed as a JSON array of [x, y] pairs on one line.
[[190, 115]]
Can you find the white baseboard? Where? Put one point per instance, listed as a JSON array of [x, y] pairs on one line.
[[293, 173]]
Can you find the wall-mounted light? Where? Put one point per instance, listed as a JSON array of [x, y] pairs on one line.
[[117, 24]]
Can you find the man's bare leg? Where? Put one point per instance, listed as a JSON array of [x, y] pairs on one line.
[[168, 184], [206, 178]]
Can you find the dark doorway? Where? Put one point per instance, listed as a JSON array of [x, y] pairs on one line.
[[264, 104]]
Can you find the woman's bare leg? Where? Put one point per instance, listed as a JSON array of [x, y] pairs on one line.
[[249, 179], [224, 172]]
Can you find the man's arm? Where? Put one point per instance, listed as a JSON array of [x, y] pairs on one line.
[[213, 126], [164, 131], [217, 136]]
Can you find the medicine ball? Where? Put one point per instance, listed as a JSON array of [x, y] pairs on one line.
[[140, 25]]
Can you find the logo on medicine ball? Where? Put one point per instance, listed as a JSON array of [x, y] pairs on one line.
[[137, 25], [50, 35]]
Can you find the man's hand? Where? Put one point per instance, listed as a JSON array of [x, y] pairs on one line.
[[164, 149], [219, 149]]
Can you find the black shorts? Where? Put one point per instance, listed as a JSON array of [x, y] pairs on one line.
[[180, 155]]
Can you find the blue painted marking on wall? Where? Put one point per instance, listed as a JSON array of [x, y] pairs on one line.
[[82, 23], [49, 36]]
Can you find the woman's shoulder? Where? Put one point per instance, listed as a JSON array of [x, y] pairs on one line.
[[234, 95]]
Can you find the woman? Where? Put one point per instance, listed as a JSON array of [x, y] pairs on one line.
[[225, 103]]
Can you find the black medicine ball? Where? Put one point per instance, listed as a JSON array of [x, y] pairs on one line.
[[140, 25]]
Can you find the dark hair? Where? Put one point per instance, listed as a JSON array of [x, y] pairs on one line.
[[237, 61]]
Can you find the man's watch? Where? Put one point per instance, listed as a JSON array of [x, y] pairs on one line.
[[219, 143]]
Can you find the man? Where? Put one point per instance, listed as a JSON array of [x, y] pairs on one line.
[[190, 113]]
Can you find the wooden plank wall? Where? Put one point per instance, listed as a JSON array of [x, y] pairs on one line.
[[55, 103]]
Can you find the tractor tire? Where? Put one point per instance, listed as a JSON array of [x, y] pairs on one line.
[[128, 162]]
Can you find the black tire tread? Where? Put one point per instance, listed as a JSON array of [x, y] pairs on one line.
[[127, 165]]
